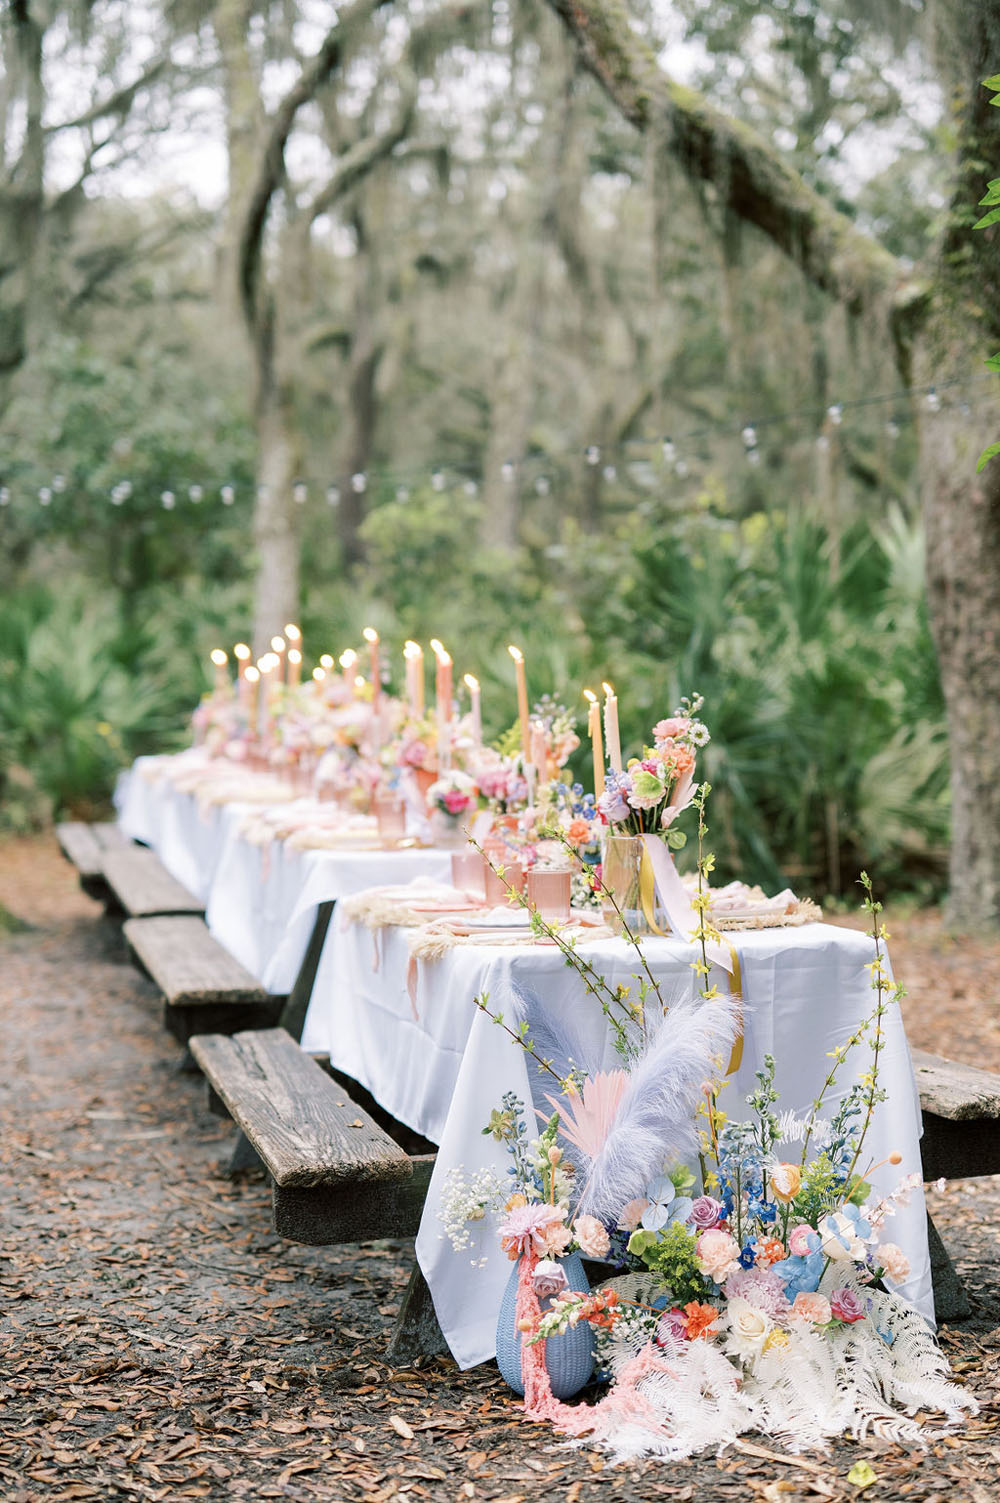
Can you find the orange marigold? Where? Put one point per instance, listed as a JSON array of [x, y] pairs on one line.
[[700, 1320]]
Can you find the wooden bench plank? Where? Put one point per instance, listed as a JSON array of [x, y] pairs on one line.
[[304, 1127], [326, 1216], [144, 887], [85, 847], [959, 1093], [188, 964]]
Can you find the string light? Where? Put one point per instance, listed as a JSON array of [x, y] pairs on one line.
[[833, 414]]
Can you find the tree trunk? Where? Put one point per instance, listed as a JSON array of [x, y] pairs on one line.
[[275, 523], [362, 369]]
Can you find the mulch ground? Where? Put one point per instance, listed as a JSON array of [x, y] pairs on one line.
[[158, 1342]]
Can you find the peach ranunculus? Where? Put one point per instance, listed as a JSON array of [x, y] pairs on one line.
[[814, 1308], [592, 1237], [894, 1261], [674, 725], [631, 1214], [580, 831], [801, 1240], [717, 1254], [786, 1181]]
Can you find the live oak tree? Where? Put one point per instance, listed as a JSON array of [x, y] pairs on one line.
[[942, 318]]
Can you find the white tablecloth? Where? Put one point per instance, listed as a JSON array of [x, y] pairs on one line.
[[261, 900], [439, 1065]]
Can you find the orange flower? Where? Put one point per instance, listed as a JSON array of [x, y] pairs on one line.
[[515, 1201], [768, 1250], [579, 831], [700, 1320]]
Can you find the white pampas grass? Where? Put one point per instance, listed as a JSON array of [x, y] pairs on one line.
[[655, 1121]]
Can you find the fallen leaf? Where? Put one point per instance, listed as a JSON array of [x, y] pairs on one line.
[[861, 1475], [402, 1428]]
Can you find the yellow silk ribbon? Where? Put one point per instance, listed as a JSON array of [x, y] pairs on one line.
[[647, 898]]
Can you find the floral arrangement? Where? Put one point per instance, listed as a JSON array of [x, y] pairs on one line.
[[501, 780], [454, 794], [653, 789], [559, 727], [752, 1283]]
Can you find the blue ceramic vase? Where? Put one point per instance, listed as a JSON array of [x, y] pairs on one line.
[[569, 1358]]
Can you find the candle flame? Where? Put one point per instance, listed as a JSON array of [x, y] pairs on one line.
[[277, 644], [370, 635], [293, 633], [242, 651], [516, 654], [326, 661], [348, 658], [252, 674], [267, 662], [471, 682], [319, 674], [413, 650], [437, 648], [360, 681], [218, 657], [294, 656], [608, 688]]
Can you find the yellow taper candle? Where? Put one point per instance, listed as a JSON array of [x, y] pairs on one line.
[[594, 730]]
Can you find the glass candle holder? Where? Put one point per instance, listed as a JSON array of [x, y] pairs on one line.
[[497, 888], [549, 892], [468, 872], [390, 815]]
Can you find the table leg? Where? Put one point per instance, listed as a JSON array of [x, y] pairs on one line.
[[416, 1332], [294, 1016], [950, 1299]]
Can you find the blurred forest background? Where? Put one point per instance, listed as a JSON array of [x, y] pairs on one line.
[[418, 331]]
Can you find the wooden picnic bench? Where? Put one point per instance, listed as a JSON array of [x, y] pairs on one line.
[[336, 1176], [85, 847], [961, 1114], [142, 886], [205, 989]]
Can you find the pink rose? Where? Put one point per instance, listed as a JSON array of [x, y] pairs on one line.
[[799, 1244], [548, 1279], [895, 1262], [673, 1324], [847, 1306], [705, 1213], [455, 802], [592, 1237], [815, 1308], [717, 1254]]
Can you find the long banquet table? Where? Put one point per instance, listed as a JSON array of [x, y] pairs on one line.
[[261, 900], [411, 1034], [431, 1058]]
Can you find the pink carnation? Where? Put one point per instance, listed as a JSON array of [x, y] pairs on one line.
[[717, 1254], [895, 1262], [631, 1214], [592, 1237]]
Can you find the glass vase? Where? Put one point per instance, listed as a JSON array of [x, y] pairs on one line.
[[635, 903]]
